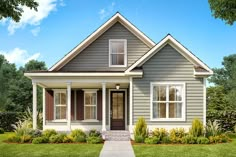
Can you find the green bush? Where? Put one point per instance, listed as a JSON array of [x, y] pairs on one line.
[[230, 134], [39, 140], [139, 139], [94, 133], [226, 119], [57, 138], [160, 133], [80, 138], [152, 140], [14, 138], [140, 131], [224, 138], [67, 139], [26, 139], [9, 118], [166, 140], [202, 140], [22, 128], [1, 131], [94, 140], [197, 128], [189, 139], [49, 132], [35, 133], [176, 135], [78, 135], [212, 128]]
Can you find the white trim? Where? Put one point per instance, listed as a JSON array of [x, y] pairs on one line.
[[131, 104], [109, 99], [44, 108], [75, 106], [204, 102], [125, 52], [54, 104], [34, 105], [183, 84], [89, 91], [68, 96], [103, 106], [99, 32], [175, 44], [84, 74]]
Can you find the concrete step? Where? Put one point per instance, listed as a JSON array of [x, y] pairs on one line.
[[117, 135]]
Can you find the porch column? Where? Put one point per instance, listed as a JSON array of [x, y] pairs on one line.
[[34, 105], [69, 106], [103, 106], [44, 105], [131, 104]]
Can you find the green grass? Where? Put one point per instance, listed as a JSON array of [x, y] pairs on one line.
[[46, 150], [214, 150]]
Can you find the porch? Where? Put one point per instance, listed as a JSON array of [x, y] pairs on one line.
[[85, 103]]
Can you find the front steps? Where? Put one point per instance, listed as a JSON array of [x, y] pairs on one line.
[[116, 135]]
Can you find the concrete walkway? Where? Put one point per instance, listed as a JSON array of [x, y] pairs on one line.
[[117, 149]]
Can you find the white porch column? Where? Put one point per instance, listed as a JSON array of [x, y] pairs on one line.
[[131, 105], [44, 105], [69, 106], [34, 105], [204, 102], [103, 106]]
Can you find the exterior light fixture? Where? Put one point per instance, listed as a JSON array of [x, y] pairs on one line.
[[117, 86]]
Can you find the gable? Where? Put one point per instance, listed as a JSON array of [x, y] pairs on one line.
[[95, 57]]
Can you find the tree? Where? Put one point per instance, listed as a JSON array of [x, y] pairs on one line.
[[224, 9], [13, 8]]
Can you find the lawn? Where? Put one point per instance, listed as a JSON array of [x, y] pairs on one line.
[[214, 150], [45, 150]]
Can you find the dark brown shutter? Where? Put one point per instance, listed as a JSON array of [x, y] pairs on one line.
[[72, 105], [80, 105], [99, 105], [49, 105]]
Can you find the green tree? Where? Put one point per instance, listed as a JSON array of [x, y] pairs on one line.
[[224, 9], [13, 8]]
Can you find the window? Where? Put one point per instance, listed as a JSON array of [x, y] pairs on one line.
[[60, 106], [117, 52], [168, 101], [90, 105]]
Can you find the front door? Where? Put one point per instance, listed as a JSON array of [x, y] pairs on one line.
[[117, 110]]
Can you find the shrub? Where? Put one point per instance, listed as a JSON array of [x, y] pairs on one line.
[[230, 134], [140, 131], [197, 128], [212, 128], [14, 138], [35, 133], [152, 140], [94, 133], [1, 131], [22, 128], [78, 135], [67, 139], [25, 138], [9, 118], [224, 138], [166, 140], [176, 135], [28, 116], [189, 139], [160, 133], [94, 140], [202, 140], [58, 138], [38, 140], [49, 132]]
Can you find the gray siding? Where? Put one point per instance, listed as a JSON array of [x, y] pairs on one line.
[[95, 56], [168, 65]]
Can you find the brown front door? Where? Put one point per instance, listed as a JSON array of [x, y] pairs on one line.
[[117, 110]]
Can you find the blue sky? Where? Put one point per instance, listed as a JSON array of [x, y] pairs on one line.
[[59, 25]]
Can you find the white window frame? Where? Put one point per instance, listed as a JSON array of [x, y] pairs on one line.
[[55, 91], [90, 91], [125, 52], [183, 84]]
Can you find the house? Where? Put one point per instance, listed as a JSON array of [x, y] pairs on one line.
[[116, 75]]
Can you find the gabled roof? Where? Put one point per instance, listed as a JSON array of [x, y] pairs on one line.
[[181, 49], [114, 19]]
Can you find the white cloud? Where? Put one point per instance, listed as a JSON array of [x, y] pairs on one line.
[[106, 11], [32, 17], [35, 31], [19, 56]]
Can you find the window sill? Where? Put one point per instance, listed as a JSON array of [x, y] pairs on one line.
[[168, 120], [60, 121], [90, 120], [117, 66]]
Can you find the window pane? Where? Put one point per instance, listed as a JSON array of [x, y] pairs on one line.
[[159, 110], [90, 112], [60, 112], [175, 93], [162, 93], [93, 97], [117, 47], [175, 110], [117, 59], [63, 98], [57, 98]]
